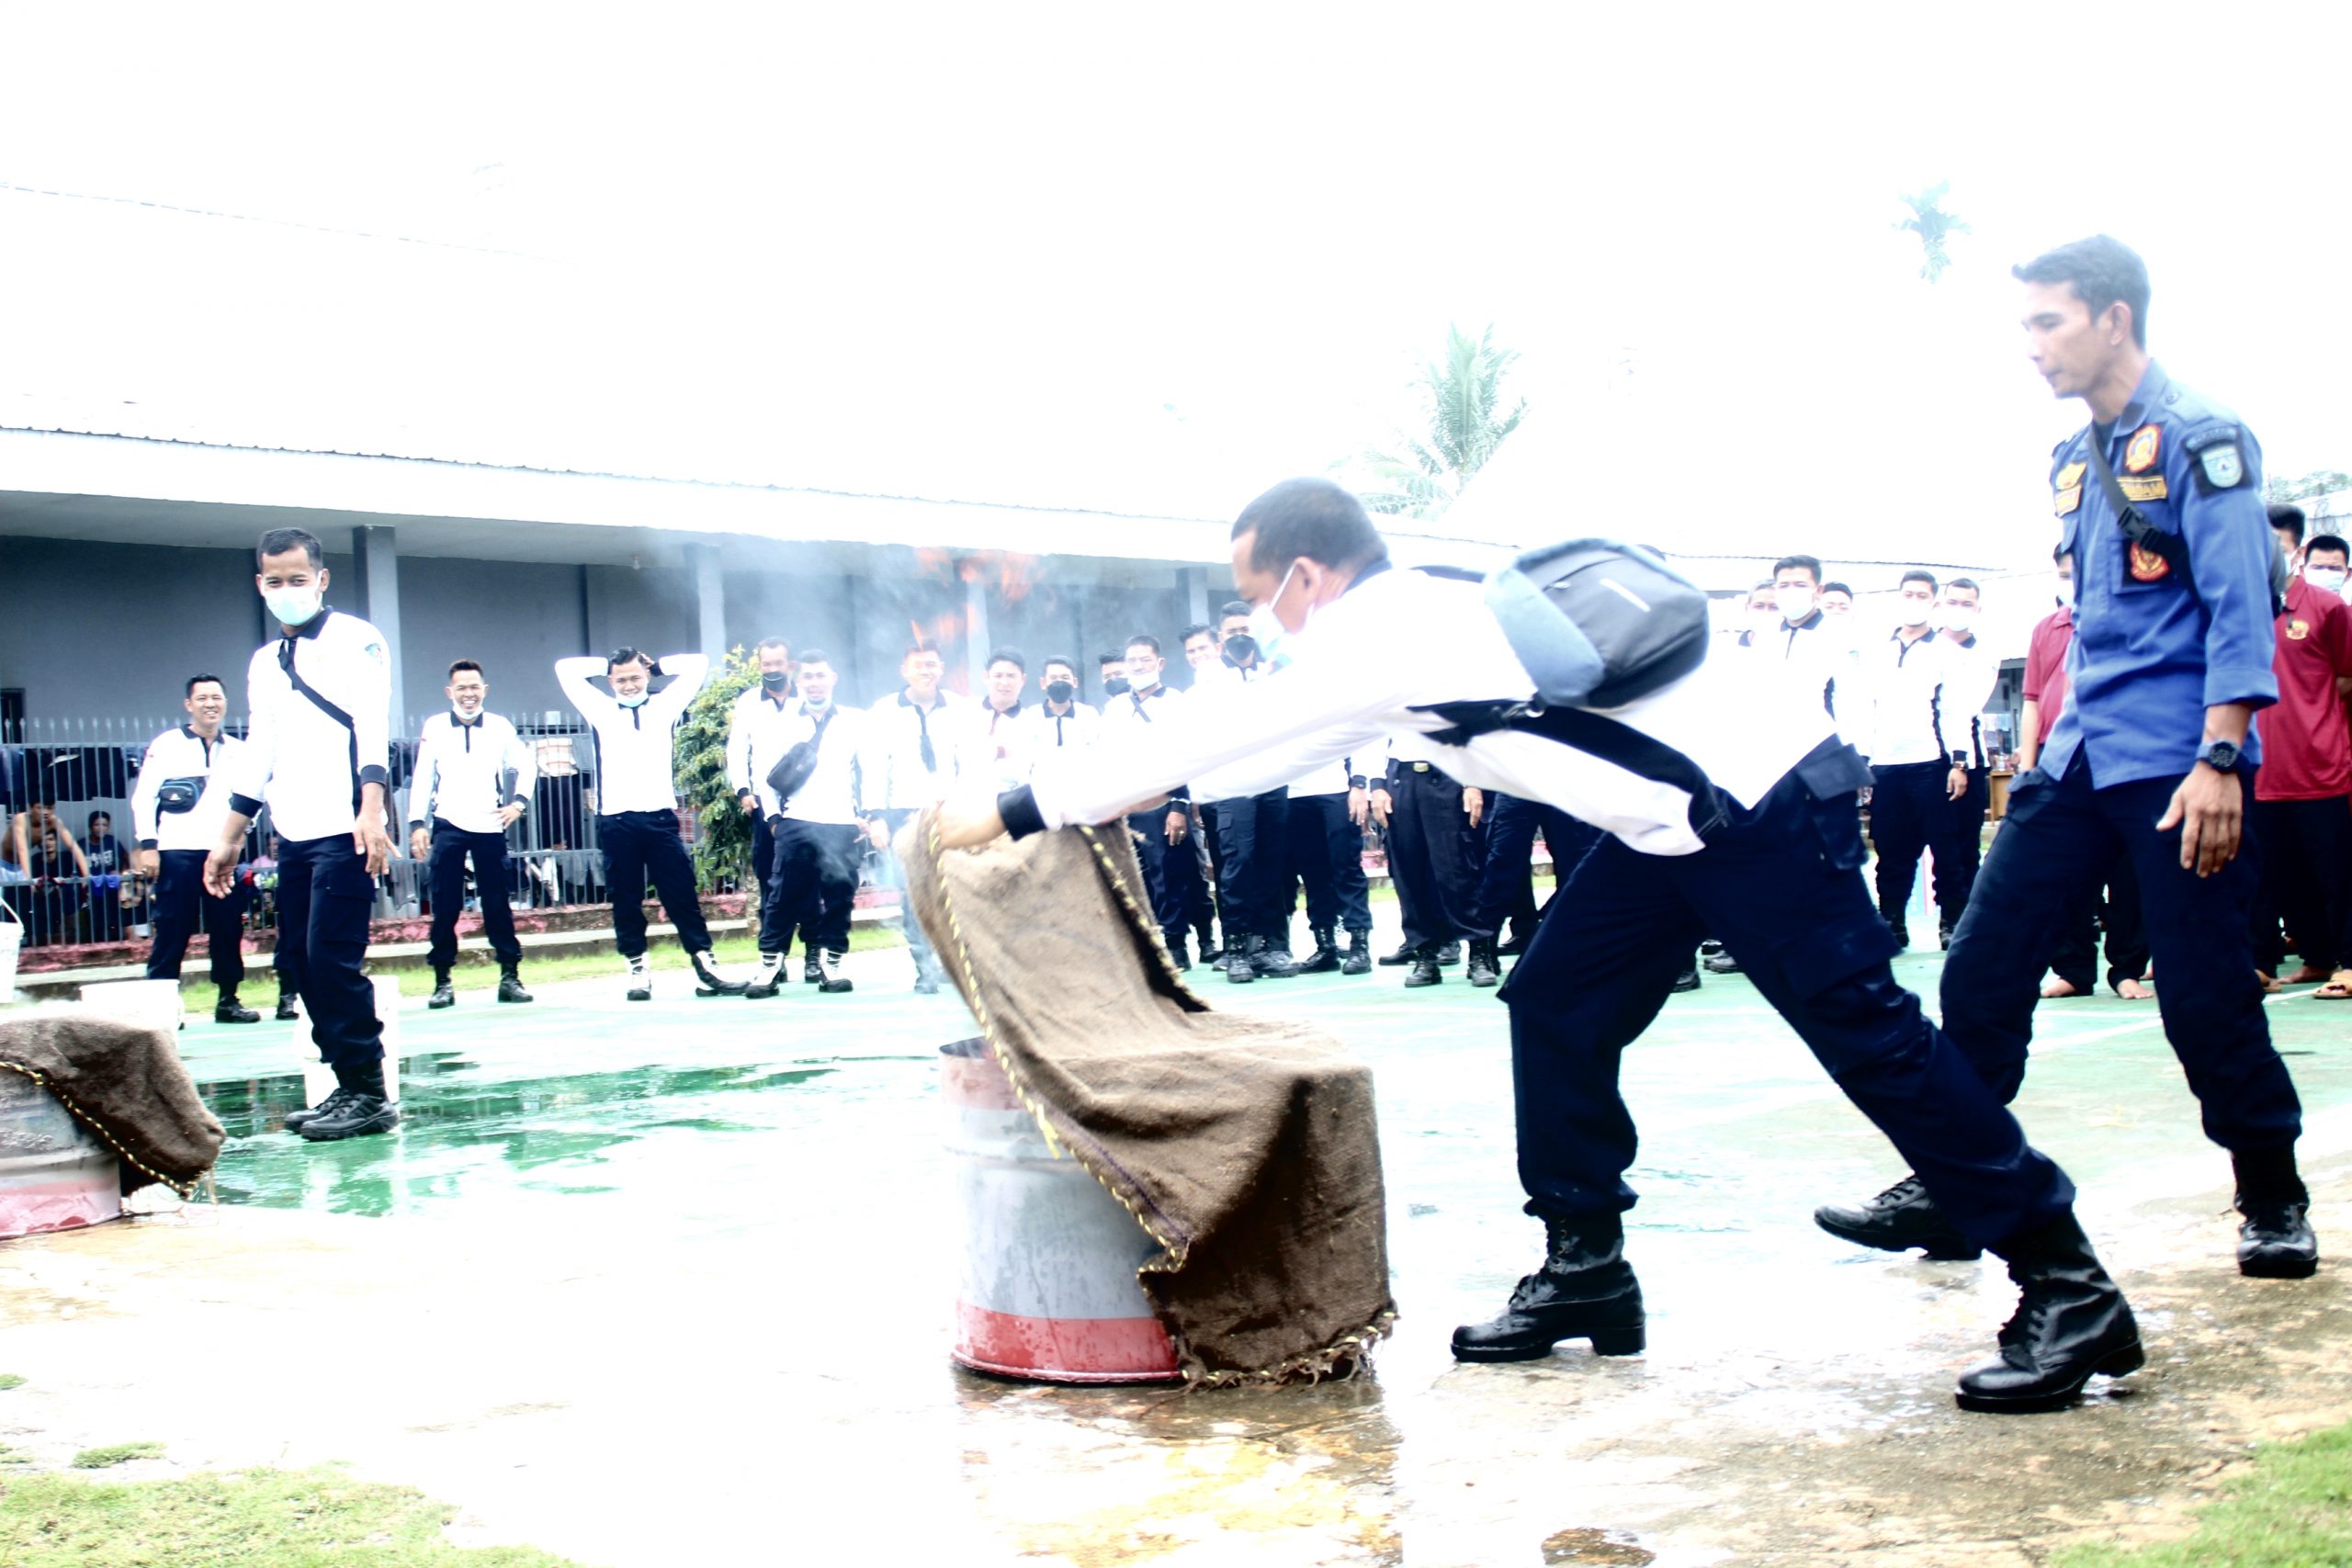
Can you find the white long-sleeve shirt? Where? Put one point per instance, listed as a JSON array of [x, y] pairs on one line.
[[182, 753], [320, 726], [1353, 681], [636, 770], [1817, 655], [1918, 699], [1050, 731], [752, 707], [833, 791], [896, 776], [461, 772]]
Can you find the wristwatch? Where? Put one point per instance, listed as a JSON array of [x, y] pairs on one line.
[[2221, 756]]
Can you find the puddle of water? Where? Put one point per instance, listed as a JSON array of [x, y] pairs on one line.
[[1588, 1545]]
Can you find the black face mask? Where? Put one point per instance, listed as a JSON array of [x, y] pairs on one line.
[[775, 683], [1059, 691], [1117, 685], [1241, 648]]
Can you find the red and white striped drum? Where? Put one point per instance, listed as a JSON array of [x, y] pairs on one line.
[[1048, 1290]]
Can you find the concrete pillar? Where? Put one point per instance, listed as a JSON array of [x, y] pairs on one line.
[[376, 556], [710, 600], [977, 647], [1196, 594]]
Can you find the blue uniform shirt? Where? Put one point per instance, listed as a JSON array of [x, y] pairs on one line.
[[2156, 643]]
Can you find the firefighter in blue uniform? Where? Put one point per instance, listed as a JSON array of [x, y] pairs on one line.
[[2159, 502]]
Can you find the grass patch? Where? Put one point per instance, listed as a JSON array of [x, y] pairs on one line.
[[116, 1453], [13, 1455], [263, 1519], [2292, 1510], [10, 1379]]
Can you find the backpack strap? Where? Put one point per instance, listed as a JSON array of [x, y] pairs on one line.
[[1596, 735]]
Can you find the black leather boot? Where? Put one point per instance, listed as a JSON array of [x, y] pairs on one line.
[[834, 981], [2072, 1323], [1403, 955], [1176, 954], [444, 993], [1688, 980], [1236, 963], [364, 1108], [2276, 1241], [510, 985], [1358, 960], [287, 1011], [713, 983], [811, 972], [1897, 1220], [1210, 951], [1424, 971], [1270, 962], [1449, 955], [1484, 969], [227, 1009], [1325, 959], [769, 980], [1585, 1290]]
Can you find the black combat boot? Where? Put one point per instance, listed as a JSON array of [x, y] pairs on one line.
[[1722, 963], [1210, 951], [1897, 1220], [1688, 980], [1449, 955], [769, 980], [1176, 954], [2276, 1242], [1900, 930], [226, 1008], [297, 1120], [640, 979], [510, 985], [1484, 967], [1521, 935], [366, 1108], [1424, 971], [713, 983], [1359, 956], [1403, 955], [1585, 1290], [444, 993], [2072, 1323], [1235, 962], [1269, 962], [834, 981], [1325, 959], [812, 973], [287, 1011]]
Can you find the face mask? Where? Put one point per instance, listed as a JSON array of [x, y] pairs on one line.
[[1913, 612], [2062, 590], [293, 607], [1116, 686], [2326, 579], [1059, 691], [1241, 648], [775, 682], [1959, 617], [1266, 629], [636, 702], [1796, 603]]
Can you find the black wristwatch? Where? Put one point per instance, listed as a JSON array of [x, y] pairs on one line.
[[2221, 756]]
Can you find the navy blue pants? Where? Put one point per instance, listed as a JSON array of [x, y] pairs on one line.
[[182, 907], [1783, 888], [1436, 885], [812, 885], [1912, 811], [1149, 829], [1506, 881], [1254, 844], [2114, 907], [1185, 866], [2306, 854], [324, 898], [2059, 836], [1327, 859], [639, 844], [452, 847]]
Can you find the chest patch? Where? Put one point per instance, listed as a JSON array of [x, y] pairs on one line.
[[2142, 486], [2146, 566], [2297, 630], [2140, 454]]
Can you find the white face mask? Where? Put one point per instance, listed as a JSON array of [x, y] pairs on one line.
[[1266, 627], [294, 606], [636, 701], [1957, 617], [1914, 612], [2062, 590], [1795, 604], [2326, 579]]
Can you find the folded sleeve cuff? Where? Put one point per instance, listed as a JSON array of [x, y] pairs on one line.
[[1018, 807], [2253, 684], [146, 844], [372, 774], [244, 805]]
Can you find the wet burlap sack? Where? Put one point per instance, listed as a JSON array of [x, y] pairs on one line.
[[1245, 1146], [125, 1083]]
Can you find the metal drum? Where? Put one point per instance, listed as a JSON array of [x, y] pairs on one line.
[[1048, 1290], [55, 1174]]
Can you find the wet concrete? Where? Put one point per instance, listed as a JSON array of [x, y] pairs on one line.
[[670, 1283]]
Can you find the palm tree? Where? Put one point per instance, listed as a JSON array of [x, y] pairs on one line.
[[1932, 223], [1420, 478]]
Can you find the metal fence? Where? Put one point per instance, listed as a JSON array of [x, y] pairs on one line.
[[58, 776]]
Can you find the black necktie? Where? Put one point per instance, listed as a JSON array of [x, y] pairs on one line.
[[922, 723], [1136, 698]]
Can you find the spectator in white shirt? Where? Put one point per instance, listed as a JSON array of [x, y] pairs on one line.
[[1004, 720], [1162, 833], [818, 840], [772, 696], [474, 777], [1837, 599], [1962, 852], [919, 741], [1061, 720], [1200, 648], [174, 827]]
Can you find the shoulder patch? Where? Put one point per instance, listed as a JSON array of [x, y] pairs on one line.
[[2223, 467], [374, 650], [2211, 435], [2072, 474]]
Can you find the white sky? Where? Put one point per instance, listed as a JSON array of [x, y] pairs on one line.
[[982, 253]]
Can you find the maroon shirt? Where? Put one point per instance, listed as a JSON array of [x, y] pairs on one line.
[[2306, 752], [2046, 668]]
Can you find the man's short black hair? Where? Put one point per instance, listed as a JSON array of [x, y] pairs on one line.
[[1310, 519], [1810, 563], [1064, 659], [1198, 628], [1836, 588], [2319, 542], [767, 642], [1920, 574], [1231, 608], [1110, 659], [465, 664], [196, 680], [915, 647], [2103, 271], [1144, 639], [621, 656], [1967, 582], [2288, 518], [95, 818], [816, 656], [278, 541], [1007, 655]]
